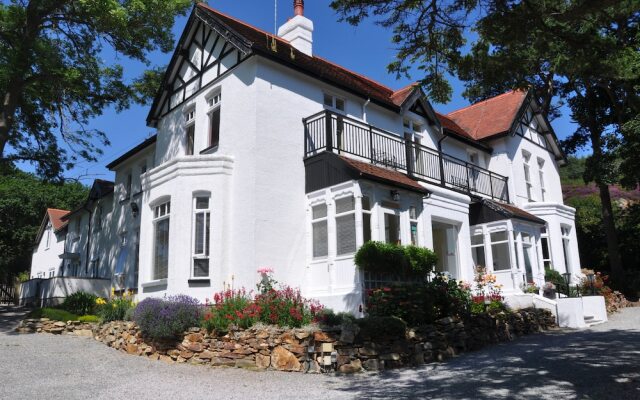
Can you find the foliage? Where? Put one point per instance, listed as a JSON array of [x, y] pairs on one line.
[[60, 68], [23, 201], [422, 303], [327, 317], [407, 261], [380, 327], [80, 303], [168, 317], [553, 276], [115, 308], [55, 314], [488, 293], [89, 318], [286, 307], [530, 288], [614, 300], [23, 276], [230, 307], [267, 282]]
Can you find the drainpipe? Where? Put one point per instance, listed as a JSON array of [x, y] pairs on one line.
[[86, 260], [364, 109], [440, 155]]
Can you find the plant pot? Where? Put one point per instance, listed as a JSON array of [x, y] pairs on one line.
[[549, 293]]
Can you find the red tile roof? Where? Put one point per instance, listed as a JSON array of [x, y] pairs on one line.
[[450, 125], [518, 212], [384, 174], [490, 117], [55, 216], [399, 96], [316, 66]]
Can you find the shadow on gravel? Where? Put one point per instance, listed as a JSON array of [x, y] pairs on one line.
[[10, 317], [566, 365]]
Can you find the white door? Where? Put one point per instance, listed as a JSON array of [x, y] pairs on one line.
[[445, 244]]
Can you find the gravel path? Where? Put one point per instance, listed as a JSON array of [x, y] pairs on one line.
[[598, 363]]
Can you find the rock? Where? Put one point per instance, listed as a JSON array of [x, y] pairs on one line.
[[195, 347], [59, 324], [132, 348], [262, 361], [166, 359], [284, 360], [262, 335], [351, 368], [83, 332], [372, 365], [246, 364], [390, 357], [348, 335], [206, 355], [56, 331], [195, 337], [302, 335], [186, 354], [368, 351], [222, 362]]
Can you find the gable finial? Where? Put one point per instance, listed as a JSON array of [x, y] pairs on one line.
[[298, 7]]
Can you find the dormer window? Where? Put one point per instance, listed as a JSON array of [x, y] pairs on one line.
[[334, 102], [190, 119], [411, 126]]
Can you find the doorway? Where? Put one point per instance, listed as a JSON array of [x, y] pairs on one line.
[[445, 244]]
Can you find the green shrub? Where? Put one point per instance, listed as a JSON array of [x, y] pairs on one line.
[[410, 261], [80, 303], [327, 317], [55, 314], [381, 327], [23, 276], [89, 318], [114, 309], [553, 276]]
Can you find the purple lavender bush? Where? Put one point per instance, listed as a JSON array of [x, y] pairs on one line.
[[166, 318]]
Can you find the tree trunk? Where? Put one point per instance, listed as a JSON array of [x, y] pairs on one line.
[[613, 250]]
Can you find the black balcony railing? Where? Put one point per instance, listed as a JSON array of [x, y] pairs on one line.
[[328, 131]]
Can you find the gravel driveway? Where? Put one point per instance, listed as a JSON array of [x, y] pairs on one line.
[[599, 363]]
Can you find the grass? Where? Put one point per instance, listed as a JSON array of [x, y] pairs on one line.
[[89, 318], [57, 314]]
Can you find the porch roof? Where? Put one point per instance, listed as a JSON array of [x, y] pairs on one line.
[[384, 175], [485, 210]]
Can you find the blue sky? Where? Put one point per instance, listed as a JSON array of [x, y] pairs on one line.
[[366, 49]]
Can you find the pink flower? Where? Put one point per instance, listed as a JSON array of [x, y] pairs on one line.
[[265, 270]]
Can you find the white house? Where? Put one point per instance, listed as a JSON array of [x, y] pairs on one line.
[[49, 244], [268, 155]]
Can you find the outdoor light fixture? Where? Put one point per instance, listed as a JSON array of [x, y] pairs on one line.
[[334, 357], [134, 209], [592, 280], [567, 280], [395, 195]]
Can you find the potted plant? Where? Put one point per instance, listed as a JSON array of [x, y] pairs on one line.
[[549, 290]]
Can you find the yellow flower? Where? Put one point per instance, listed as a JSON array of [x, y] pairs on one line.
[[100, 301]]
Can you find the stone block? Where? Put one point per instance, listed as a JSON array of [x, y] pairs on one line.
[[284, 360]]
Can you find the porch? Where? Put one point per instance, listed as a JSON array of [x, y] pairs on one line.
[[331, 132]]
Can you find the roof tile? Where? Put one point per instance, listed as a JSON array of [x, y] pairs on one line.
[[384, 174]]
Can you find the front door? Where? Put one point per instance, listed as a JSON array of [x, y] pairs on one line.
[[445, 244]]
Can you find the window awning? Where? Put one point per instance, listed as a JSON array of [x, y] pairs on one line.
[[485, 210]]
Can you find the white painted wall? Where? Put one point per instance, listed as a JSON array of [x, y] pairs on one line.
[[45, 258]]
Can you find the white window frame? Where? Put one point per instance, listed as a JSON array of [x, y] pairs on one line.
[[481, 244], [565, 231], [337, 216], [414, 220], [161, 212], [334, 102], [190, 123], [509, 249], [544, 237], [214, 103], [543, 190], [369, 214], [314, 221], [206, 232], [526, 157]]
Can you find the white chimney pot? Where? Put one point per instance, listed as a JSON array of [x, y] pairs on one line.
[[299, 32]]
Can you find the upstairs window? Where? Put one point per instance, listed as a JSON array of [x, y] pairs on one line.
[[527, 174], [161, 214], [190, 118], [334, 102], [319, 231], [543, 190], [345, 226], [214, 102], [201, 236]]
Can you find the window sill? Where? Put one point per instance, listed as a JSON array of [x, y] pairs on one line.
[[210, 150], [199, 281], [157, 282]]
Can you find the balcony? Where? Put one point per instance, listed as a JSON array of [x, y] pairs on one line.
[[327, 131]]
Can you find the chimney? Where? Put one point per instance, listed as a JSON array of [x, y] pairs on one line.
[[298, 30]]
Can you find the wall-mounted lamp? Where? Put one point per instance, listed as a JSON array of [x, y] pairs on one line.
[[395, 195], [134, 209]]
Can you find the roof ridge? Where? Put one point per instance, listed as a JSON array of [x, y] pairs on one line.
[[482, 102], [209, 8]]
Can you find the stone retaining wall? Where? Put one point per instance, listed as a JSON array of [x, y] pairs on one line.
[[37, 325], [355, 349]]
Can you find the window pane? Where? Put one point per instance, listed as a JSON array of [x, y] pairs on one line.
[[199, 232], [498, 236], [478, 256], [161, 259], [366, 203], [346, 234], [412, 212], [214, 129], [545, 248], [319, 211], [328, 100], [320, 243], [345, 204], [366, 227], [202, 203], [500, 254], [414, 233], [200, 267], [392, 228], [207, 234], [190, 137], [340, 104], [477, 239]]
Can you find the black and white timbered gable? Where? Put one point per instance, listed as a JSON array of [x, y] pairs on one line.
[[206, 51]]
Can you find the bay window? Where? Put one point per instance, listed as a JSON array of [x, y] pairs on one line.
[[201, 236], [161, 214], [546, 248], [500, 251], [477, 250], [345, 225]]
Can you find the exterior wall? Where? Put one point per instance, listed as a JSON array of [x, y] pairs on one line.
[[52, 291], [45, 260]]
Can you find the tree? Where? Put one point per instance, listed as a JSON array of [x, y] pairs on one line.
[[23, 201], [581, 52], [54, 77]]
